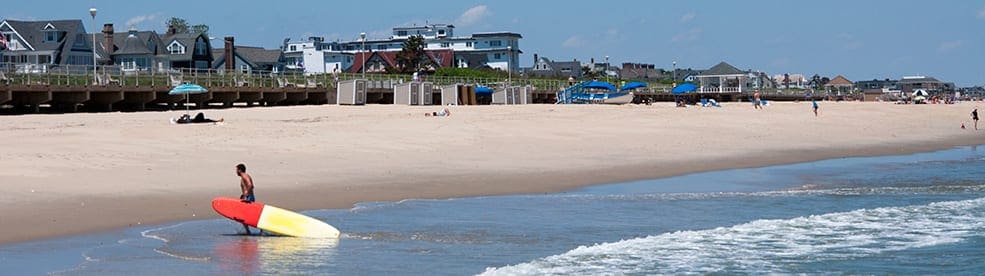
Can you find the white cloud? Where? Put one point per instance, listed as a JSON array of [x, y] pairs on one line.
[[947, 46], [133, 21], [574, 41], [687, 17], [474, 15], [688, 36]]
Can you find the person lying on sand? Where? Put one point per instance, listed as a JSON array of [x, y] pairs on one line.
[[443, 113], [199, 118]]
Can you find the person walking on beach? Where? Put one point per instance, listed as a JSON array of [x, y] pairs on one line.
[[814, 102], [246, 185], [974, 117], [756, 101]]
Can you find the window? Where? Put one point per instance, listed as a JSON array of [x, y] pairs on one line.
[[441, 32], [44, 59], [244, 68], [401, 33], [201, 48], [175, 48], [381, 47], [445, 45], [497, 56], [468, 44], [294, 48], [50, 36], [495, 43]]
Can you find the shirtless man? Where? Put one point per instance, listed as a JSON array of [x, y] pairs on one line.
[[245, 184]]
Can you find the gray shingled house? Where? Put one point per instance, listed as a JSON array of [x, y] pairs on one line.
[[248, 59], [36, 46]]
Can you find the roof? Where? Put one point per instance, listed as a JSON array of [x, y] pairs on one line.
[[722, 69], [186, 39], [252, 55], [918, 79], [443, 58], [495, 34], [839, 81], [132, 45]]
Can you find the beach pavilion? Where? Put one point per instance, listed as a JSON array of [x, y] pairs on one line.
[[722, 78]]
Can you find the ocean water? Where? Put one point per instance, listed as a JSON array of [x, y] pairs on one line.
[[912, 214]]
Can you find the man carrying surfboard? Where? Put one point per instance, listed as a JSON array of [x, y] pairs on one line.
[[245, 184]]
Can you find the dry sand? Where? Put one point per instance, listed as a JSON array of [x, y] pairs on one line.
[[75, 173]]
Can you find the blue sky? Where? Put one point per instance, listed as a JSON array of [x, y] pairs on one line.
[[858, 39]]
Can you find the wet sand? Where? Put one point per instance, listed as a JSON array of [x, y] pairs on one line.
[[76, 173]]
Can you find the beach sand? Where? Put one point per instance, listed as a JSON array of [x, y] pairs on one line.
[[75, 173]]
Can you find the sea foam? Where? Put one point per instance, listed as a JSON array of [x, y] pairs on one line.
[[771, 245]]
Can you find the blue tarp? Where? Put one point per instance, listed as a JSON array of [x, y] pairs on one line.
[[599, 85], [684, 88], [483, 90], [632, 85]]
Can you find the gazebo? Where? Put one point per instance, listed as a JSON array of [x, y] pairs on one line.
[[722, 78]]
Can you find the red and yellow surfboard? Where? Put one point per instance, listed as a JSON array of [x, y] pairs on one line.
[[273, 219]]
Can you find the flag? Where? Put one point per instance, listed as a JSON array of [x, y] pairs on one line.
[[3, 42]]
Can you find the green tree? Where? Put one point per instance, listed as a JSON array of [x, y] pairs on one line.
[[181, 26], [412, 57], [178, 24]]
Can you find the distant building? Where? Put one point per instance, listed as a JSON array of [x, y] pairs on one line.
[[840, 84], [383, 62], [640, 71], [247, 59], [497, 50], [187, 50], [35, 46], [886, 85], [725, 78], [131, 51], [545, 67], [912, 83]]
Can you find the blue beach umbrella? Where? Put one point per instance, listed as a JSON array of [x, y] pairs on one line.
[[684, 88], [187, 89], [599, 85], [632, 85]]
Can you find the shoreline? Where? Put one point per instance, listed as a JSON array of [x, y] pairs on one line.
[[108, 206]]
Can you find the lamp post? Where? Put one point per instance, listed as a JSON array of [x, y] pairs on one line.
[[674, 80], [362, 36], [606, 69], [92, 12], [509, 67]]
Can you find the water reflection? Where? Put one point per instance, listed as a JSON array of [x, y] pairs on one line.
[[273, 254]]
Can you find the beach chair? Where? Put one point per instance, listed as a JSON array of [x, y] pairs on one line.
[[241, 81], [282, 82], [175, 80], [110, 80]]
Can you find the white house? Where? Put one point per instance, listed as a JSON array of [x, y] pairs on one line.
[[499, 50]]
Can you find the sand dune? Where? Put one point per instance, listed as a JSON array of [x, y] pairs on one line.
[[72, 173]]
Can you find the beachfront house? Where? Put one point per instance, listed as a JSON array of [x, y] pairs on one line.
[[725, 78], [314, 56], [36, 46], [640, 71], [839, 85], [545, 67], [909, 84], [132, 51], [386, 61], [187, 50], [497, 50], [247, 59]]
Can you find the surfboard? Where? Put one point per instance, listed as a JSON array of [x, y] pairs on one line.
[[273, 219]]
